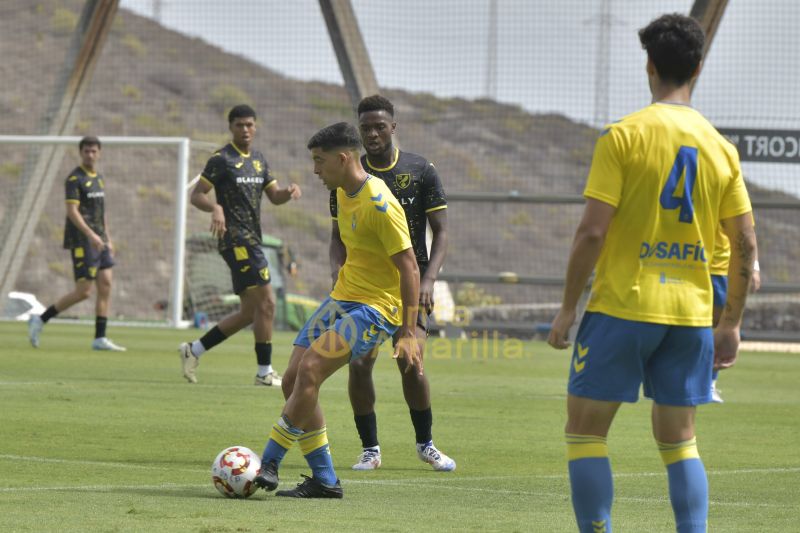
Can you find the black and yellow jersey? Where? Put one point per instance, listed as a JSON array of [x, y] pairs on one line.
[[239, 181], [416, 185], [86, 189]]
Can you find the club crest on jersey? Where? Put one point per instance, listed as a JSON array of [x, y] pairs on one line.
[[402, 180], [257, 165]]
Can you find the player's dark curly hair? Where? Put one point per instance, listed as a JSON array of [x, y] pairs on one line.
[[89, 140], [674, 44], [241, 111], [339, 135], [375, 102]]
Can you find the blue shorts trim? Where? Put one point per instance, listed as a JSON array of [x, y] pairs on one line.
[[613, 357], [720, 285], [360, 325]]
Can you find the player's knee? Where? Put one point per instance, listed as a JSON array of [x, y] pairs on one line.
[[361, 370], [266, 308], [308, 374], [287, 383], [83, 291], [104, 285]]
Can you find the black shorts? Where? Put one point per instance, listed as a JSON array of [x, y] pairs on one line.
[[248, 267], [423, 320], [86, 261]]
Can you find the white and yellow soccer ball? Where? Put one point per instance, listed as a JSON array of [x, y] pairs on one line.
[[233, 472]]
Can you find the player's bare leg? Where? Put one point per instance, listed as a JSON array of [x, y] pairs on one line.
[[289, 378], [103, 283], [302, 421], [190, 352], [101, 307], [263, 315], [81, 292], [416, 389], [361, 390]]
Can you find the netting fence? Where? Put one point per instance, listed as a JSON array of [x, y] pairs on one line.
[[511, 113]]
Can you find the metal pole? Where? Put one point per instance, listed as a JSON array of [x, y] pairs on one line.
[[351, 51], [179, 252], [709, 14], [42, 166], [490, 83]]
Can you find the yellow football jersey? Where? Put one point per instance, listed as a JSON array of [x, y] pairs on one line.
[[373, 228], [672, 177], [722, 254]]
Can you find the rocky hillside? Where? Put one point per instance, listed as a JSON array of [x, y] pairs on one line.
[[152, 81]]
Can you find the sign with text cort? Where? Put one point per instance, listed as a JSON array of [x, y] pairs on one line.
[[765, 146]]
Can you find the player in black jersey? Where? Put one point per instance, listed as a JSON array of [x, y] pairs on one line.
[[87, 237], [239, 176], [416, 184]]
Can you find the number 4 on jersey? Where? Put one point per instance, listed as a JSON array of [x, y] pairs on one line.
[[686, 160]]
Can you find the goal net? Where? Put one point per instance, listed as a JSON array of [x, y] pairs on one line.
[[146, 180]]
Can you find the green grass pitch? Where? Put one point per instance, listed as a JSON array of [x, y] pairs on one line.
[[93, 441]]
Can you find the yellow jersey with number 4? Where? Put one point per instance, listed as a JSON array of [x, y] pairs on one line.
[[671, 177]]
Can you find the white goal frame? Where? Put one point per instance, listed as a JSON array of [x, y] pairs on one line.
[[15, 245]]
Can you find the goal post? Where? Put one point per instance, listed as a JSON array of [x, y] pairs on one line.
[[141, 209]]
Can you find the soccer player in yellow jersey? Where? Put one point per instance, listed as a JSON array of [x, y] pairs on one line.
[[662, 180], [416, 184], [719, 281], [376, 294]]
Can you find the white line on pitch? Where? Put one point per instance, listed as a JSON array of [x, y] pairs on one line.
[[104, 488], [558, 495], [426, 480], [94, 463], [448, 487]]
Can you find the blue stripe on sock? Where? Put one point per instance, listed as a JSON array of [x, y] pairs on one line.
[[321, 465], [273, 452], [688, 492], [592, 493]]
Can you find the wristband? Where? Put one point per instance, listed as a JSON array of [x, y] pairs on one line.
[[755, 266]]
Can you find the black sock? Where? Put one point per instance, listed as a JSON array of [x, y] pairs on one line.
[[264, 353], [423, 421], [49, 313], [212, 338], [100, 326], [367, 426]]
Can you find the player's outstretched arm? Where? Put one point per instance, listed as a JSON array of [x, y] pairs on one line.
[[406, 263], [586, 248], [742, 236], [74, 214], [280, 196]]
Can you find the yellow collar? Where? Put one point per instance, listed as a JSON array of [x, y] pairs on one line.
[[395, 157]]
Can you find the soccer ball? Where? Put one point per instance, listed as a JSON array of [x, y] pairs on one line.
[[233, 472]]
